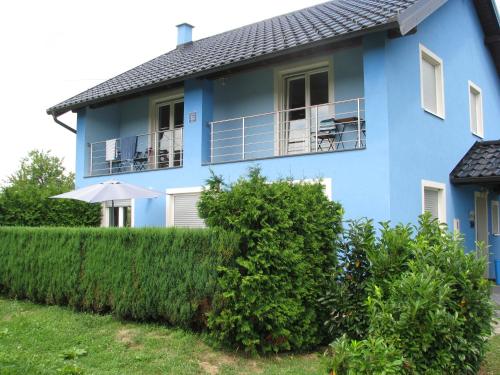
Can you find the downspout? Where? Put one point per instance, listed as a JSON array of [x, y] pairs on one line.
[[59, 122]]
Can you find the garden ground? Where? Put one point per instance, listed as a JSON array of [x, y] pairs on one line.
[[38, 339]]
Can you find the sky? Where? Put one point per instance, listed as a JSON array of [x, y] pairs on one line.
[[54, 49]]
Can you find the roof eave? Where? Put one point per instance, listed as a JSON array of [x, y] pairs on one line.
[[59, 111], [490, 180], [415, 14]]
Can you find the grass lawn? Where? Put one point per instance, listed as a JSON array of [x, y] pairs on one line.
[[492, 363], [38, 339]]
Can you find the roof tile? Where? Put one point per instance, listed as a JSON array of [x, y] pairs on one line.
[[481, 161], [313, 24]]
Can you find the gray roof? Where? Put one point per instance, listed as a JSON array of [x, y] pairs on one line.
[[481, 164], [327, 22]]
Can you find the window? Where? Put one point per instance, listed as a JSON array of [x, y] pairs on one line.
[[431, 82], [495, 218], [304, 92], [476, 110], [182, 210], [170, 121], [118, 214], [166, 128], [434, 199]]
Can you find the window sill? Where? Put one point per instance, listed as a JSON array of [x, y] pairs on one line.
[[434, 114], [480, 137]]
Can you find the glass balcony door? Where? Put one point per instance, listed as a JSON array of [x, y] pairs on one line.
[[169, 125], [298, 120]]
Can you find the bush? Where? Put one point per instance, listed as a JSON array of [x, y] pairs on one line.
[[165, 275], [428, 299], [347, 291], [25, 200], [267, 299], [368, 357]]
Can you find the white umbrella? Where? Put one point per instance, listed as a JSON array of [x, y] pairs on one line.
[[109, 191]]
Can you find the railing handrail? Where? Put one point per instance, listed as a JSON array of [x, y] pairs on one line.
[[139, 135], [287, 110]]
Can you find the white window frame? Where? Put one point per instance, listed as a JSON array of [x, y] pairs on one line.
[[281, 91], [166, 98], [441, 189], [169, 209], [105, 215], [495, 229], [432, 58], [474, 89]]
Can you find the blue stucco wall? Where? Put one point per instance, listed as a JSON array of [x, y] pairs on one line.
[[404, 144], [253, 92], [423, 146]]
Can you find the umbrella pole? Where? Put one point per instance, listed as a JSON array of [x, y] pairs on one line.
[[112, 213]]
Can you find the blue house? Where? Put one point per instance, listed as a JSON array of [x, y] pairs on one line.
[[381, 99]]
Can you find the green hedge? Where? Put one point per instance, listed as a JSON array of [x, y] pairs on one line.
[[268, 297], [143, 274]]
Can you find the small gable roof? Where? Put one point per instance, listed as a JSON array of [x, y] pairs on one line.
[[480, 165]]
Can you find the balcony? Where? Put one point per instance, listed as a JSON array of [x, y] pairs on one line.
[[158, 150], [331, 127]]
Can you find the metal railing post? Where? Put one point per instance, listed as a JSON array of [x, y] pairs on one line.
[[316, 137], [155, 150], [172, 149], [91, 158], [211, 142], [359, 125], [243, 139]]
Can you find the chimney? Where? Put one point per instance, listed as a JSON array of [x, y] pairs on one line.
[[184, 34]]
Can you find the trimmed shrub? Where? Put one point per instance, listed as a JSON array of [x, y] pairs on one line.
[[166, 275], [268, 296], [427, 299]]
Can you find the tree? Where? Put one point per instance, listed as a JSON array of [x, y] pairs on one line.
[[25, 201]]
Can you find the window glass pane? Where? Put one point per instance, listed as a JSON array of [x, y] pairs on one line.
[[319, 88], [429, 86], [495, 220], [431, 202], [127, 216], [113, 216], [178, 114], [164, 117], [297, 98]]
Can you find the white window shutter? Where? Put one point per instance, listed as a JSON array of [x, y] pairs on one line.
[[431, 202], [430, 86], [473, 111], [186, 211]]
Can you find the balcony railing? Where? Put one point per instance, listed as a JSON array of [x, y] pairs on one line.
[[158, 150], [327, 127]]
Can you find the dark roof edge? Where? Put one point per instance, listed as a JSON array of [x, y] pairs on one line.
[[415, 14], [475, 180], [391, 25], [485, 180], [452, 173]]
